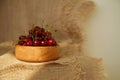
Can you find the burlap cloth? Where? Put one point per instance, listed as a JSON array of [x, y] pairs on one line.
[[67, 67]]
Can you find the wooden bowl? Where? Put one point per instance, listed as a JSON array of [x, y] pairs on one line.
[[36, 53]]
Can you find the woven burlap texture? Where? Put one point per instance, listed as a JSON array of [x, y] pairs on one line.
[[67, 67]]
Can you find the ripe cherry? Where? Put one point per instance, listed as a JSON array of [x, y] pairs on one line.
[[36, 28], [37, 32], [36, 43], [25, 44], [51, 42], [43, 43], [21, 42], [26, 39], [48, 38], [22, 37], [29, 43]]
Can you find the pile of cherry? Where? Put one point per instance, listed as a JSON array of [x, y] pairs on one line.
[[37, 37]]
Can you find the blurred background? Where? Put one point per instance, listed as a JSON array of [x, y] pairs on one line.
[[103, 32], [104, 36]]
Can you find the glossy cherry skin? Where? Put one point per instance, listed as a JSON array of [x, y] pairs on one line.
[[51, 42], [36, 43], [29, 43], [43, 43]]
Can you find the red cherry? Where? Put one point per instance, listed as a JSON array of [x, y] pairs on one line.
[[43, 43], [21, 42], [30, 36], [29, 43], [37, 32], [36, 43], [25, 44], [48, 38], [43, 34], [36, 28], [22, 37], [27, 39], [51, 42]]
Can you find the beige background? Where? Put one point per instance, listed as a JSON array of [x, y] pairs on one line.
[[103, 31], [104, 36], [17, 16]]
